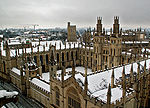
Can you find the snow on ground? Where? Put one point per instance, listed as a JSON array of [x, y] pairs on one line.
[[4, 93], [41, 84]]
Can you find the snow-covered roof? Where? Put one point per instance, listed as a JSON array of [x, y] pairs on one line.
[[41, 84], [17, 71], [130, 42], [41, 47], [4, 93], [1, 36], [98, 83], [45, 77]]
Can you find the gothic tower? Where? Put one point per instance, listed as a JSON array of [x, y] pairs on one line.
[[52, 63], [71, 37], [99, 25], [116, 26]]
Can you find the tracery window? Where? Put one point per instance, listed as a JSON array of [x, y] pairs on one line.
[[73, 103], [73, 99]]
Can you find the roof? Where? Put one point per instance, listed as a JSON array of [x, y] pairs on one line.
[[98, 83]]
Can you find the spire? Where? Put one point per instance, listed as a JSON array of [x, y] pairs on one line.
[[26, 70], [60, 45], [73, 68], [103, 31], [138, 70], [112, 78], [131, 74], [145, 67], [52, 64], [62, 74], [109, 96], [121, 32], [7, 50], [65, 45], [110, 31], [85, 82], [94, 32], [44, 48], [123, 82]]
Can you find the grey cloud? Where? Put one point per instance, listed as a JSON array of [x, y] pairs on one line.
[[83, 13]]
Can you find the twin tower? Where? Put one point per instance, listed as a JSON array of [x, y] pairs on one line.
[[115, 25], [72, 36]]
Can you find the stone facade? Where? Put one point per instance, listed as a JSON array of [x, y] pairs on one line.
[[72, 36], [100, 52]]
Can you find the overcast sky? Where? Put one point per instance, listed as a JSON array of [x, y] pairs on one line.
[[83, 13]]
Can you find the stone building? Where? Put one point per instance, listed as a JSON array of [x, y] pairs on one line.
[[80, 74], [72, 36]]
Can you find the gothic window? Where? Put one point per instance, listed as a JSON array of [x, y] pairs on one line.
[[46, 59], [57, 96], [62, 56], [103, 58], [73, 99], [57, 57], [73, 103], [72, 55], [114, 52], [28, 59], [41, 59], [67, 56], [35, 59], [106, 52], [76, 55], [63, 59]]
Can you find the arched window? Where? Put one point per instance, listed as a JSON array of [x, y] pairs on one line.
[[28, 58], [72, 55], [67, 56], [63, 59], [57, 57], [73, 98], [62, 56], [76, 55], [46, 59], [41, 59], [35, 59], [57, 96]]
